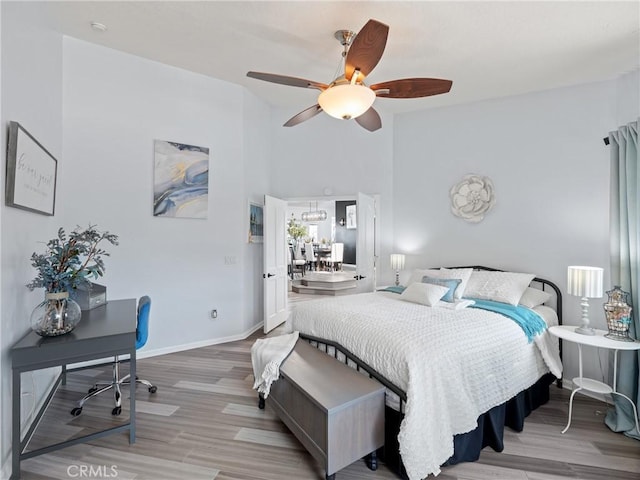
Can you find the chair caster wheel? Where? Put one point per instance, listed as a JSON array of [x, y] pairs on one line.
[[116, 411], [153, 389], [92, 389], [76, 411]]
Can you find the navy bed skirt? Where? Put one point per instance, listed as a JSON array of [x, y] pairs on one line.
[[488, 433]]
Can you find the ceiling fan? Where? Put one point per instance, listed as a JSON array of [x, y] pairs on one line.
[[347, 96]]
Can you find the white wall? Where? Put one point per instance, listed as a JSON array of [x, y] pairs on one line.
[[327, 152], [32, 96], [549, 165], [628, 98], [257, 152], [115, 105]]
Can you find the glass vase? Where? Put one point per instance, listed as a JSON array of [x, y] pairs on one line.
[[56, 315]]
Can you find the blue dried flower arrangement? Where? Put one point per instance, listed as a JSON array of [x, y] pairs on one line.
[[70, 262]]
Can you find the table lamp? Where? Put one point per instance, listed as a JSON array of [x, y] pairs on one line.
[[585, 282], [397, 263]]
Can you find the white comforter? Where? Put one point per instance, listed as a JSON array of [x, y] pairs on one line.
[[454, 365]]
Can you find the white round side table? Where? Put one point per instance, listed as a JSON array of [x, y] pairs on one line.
[[568, 333]]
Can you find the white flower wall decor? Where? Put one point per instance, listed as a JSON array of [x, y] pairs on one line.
[[472, 198]]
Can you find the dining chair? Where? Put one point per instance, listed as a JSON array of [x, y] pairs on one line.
[[324, 252], [310, 256], [297, 264], [337, 253]]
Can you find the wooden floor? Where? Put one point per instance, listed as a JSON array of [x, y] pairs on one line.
[[203, 423]]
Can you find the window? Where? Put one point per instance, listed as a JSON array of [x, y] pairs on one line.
[[313, 232]]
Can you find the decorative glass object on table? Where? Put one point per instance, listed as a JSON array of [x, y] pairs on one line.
[[618, 314], [56, 315]]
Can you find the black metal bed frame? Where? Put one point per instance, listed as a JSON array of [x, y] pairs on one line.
[[348, 357], [324, 345]]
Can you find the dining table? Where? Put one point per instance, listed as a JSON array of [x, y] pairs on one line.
[[322, 254]]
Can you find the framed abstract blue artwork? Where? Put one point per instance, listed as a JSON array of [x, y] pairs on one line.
[[181, 180]]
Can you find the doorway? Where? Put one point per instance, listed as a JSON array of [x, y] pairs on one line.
[[330, 226], [278, 269]]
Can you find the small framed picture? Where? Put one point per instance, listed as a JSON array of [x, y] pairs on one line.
[[31, 173], [256, 222], [351, 217]]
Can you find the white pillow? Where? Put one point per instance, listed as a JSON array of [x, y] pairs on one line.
[[533, 297], [505, 287], [462, 274], [416, 275], [423, 293]]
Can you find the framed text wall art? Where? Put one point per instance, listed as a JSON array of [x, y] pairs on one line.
[[31, 173]]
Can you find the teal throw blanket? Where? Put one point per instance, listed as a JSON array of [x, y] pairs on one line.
[[529, 321]]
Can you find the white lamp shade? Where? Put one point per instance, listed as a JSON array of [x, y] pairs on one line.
[[397, 261], [584, 281], [346, 101]]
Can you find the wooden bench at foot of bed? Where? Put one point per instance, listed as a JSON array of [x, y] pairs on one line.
[[334, 411]]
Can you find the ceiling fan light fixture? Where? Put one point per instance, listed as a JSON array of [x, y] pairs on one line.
[[347, 96], [346, 101]]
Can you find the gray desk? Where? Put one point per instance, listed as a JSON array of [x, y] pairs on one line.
[[103, 332]]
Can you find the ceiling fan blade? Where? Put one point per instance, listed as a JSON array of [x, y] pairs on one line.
[[412, 87], [370, 120], [366, 49], [285, 80], [303, 116]]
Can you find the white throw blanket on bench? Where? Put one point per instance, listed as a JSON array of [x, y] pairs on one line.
[[266, 356]]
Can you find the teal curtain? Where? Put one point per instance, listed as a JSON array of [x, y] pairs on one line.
[[625, 264]]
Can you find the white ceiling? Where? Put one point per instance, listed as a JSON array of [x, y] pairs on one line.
[[488, 49]]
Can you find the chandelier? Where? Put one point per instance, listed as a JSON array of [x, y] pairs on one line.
[[314, 215]]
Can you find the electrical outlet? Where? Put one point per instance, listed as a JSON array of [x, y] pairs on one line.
[[214, 313]]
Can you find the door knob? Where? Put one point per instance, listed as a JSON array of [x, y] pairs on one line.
[[268, 275], [359, 277]]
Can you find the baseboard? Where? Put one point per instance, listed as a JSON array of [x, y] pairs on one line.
[[204, 343], [37, 405], [174, 348], [6, 468], [568, 385]]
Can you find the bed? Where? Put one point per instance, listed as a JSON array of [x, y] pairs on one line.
[[455, 373]]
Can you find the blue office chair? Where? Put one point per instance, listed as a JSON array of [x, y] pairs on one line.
[[142, 333]]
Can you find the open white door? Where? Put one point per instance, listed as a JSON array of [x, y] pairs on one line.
[[365, 246], [275, 280]]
